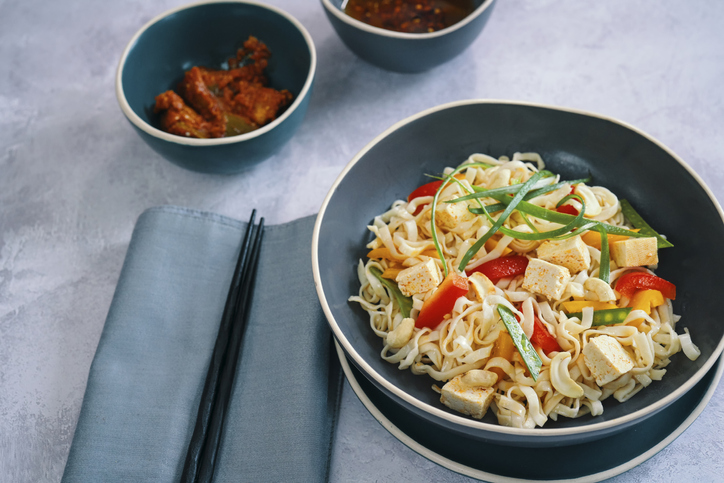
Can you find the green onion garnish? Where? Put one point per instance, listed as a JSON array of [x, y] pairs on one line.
[[563, 218], [503, 190], [533, 236], [555, 186], [527, 352], [524, 188], [444, 184], [405, 303]]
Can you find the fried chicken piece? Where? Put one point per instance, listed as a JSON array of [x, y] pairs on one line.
[[178, 118], [248, 65], [217, 103], [195, 91], [257, 103]]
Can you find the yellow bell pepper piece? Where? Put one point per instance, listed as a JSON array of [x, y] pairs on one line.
[[492, 243], [377, 253], [578, 305], [430, 252], [391, 273], [593, 238], [505, 348], [385, 253], [646, 300]]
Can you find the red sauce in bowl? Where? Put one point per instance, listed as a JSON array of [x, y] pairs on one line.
[[410, 16]]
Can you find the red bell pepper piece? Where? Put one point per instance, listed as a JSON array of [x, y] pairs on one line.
[[543, 338], [502, 267], [567, 209], [442, 301], [630, 282], [428, 189]]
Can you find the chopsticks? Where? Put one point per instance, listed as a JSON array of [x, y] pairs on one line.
[[203, 447]]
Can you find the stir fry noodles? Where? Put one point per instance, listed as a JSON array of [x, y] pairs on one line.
[[519, 292]]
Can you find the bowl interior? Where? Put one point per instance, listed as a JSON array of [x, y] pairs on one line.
[[207, 35], [573, 144]]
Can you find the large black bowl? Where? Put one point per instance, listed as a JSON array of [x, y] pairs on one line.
[[669, 195]]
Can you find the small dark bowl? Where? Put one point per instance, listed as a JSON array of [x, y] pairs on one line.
[[207, 34], [405, 52], [633, 165]]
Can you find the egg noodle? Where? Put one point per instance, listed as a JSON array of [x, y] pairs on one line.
[[469, 348]]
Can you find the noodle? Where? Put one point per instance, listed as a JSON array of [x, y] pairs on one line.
[[470, 340]]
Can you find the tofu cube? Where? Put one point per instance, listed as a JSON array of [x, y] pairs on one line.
[[419, 278], [481, 286], [606, 358], [545, 278], [473, 401], [450, 215], [635, 252], [571, 253], [479, 378]]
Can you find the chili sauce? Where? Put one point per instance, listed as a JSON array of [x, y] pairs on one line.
[[410, 16]]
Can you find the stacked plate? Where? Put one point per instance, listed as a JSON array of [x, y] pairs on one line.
[[631, 164]]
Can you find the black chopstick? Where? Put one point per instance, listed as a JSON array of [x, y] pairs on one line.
[[208, 462], [236, 302]]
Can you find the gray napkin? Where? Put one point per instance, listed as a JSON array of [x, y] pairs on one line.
[[146, 379]]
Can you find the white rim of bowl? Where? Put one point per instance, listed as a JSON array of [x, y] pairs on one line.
[[460, 420], [157, 133], [337, 12], [492, 477]]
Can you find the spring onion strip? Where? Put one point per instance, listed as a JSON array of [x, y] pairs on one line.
[[444, 184], [604, 269], [492, 208], [605, 317], [582, 229], [528, 222], [491, 220], [533, 193], [530, 356], [553, 187], [534, 236], [405, 303], [562, 218], [638, 222], [505, 190], [571, 197], [524, 188]]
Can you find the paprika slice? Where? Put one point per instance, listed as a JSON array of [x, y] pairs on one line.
[[632, 281], [502, 267], [442, 301], [428, 189], [542, 338]]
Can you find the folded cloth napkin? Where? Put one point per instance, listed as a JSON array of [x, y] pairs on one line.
[[148, 373]]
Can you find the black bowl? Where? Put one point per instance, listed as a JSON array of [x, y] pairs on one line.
[[633, 165], [406, 52], [207, 34]]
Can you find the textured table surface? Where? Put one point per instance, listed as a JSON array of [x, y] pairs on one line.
[[74, 177]]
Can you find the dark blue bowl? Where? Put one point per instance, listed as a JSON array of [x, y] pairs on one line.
[[404, 52], [207, 34], [633, 165]]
